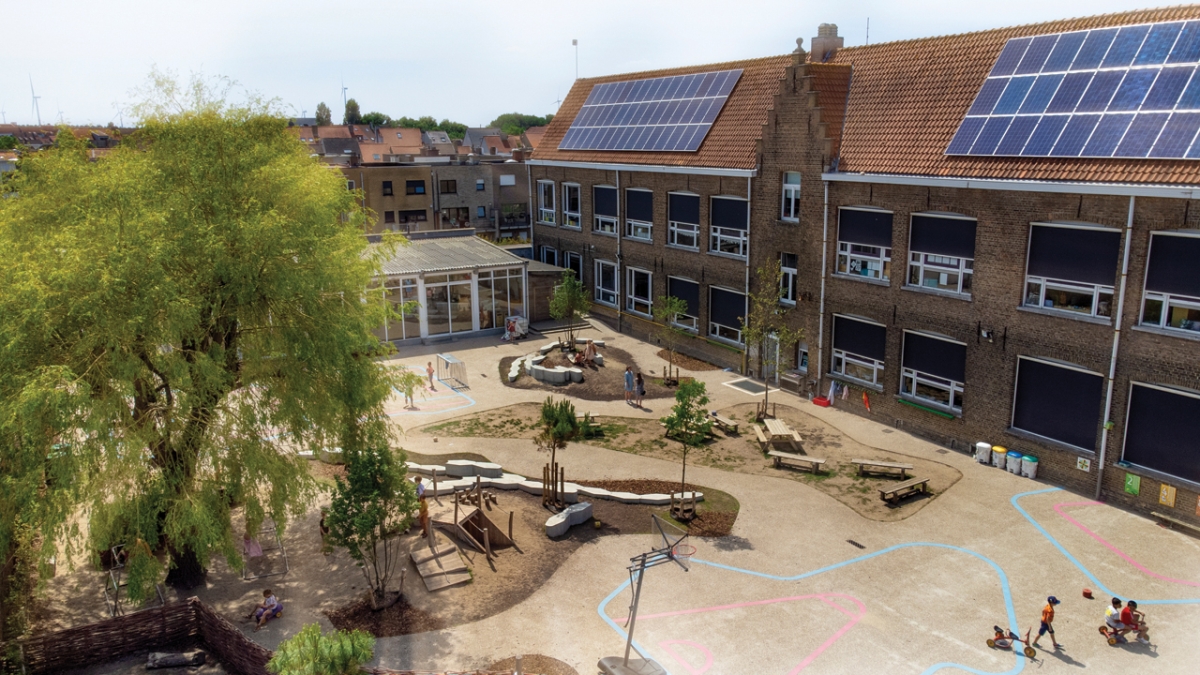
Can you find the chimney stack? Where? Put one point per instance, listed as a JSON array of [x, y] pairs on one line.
[[827, 42]]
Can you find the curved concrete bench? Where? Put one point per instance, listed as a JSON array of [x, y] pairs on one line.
[[583, 341], [467, 467], [332, 456], [558, 524], [576, 374], [655, 500]]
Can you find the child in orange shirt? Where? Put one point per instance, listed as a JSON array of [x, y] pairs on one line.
[[1047, 622]]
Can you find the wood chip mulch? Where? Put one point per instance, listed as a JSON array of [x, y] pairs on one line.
[[687, 362], [534, 663], [707, 523], [399, 619]]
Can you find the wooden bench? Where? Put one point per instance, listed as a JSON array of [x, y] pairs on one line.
[[877, 466], [897, 491], [762, 437], [813, 464], [1175, 522], [727, 425]]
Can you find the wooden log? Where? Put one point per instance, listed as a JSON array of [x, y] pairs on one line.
[[456, 507], [487, 544], [510, 519]]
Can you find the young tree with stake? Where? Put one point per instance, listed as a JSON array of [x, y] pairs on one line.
[[559, 427], [570, 302], [667, 311], [689, 422], [765, 328]]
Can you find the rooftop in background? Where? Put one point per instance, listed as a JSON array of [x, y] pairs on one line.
[[333, 131], [434, 137], [730, 143], [304, 121], [447, 251], [907, 100], [402, 138], [533, 136]]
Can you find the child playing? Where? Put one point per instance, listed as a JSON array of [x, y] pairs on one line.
[[264, 610]]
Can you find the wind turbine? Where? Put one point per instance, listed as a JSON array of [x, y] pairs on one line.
[[36, 108], [3, 117]]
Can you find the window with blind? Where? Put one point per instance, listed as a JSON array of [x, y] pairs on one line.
[[1161, 428], [865, 243], [729, 226], [683, 220], [639, 214], [1057, 401], [1072, 268], [688, 291], [859, 349], [725, 311], [604, 210], [941, 252], [933, 370], [1172, 295]]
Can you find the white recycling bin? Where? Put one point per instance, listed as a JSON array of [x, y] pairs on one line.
[[998, 454], [1014, 462], [1029, 466], [983, 452]]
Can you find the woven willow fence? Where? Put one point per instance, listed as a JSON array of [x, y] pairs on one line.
[[150, 629]]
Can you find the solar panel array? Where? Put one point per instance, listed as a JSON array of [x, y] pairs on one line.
[[1127, 92], [662, 114]]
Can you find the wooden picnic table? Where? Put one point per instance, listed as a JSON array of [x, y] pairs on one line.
[[779, 432]]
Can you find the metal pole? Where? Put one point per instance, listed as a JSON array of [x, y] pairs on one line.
[[637, 594]]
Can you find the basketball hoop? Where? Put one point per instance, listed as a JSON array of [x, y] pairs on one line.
[[683, 553]]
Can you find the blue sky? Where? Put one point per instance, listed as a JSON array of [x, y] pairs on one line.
[[462, 59]]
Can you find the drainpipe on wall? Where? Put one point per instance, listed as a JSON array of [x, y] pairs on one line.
[[620, 261], [746, 351], [1112, 363], [531, 186], [821, 316]]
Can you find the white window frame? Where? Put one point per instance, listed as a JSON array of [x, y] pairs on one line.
[[546, 213], [720, 235], [607, 296], [675, 230], [549, 250], [920, 263], [1169, 301], [634, 304], [606, 225], [874, 258], [685, 321], [567, 256], [841, 358], [639, 230], [572, 219], [1098, 294], [480, 185], [1012, 418], [802, 357], [910, 378], [789, 210], [715, 329], [787, 279]]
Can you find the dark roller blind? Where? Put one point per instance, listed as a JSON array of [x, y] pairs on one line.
[[1073, 254], [1174, 265], [684, 209], [688, 291], [943, 236], [935, 357], [639, 205], [605, 201], [1163, 432], [1059, 403], [860, 337], [870, 228], [729, 213], [726, 307]]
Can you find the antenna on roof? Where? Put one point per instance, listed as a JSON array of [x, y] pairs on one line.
[[3, 117], [868, 30], [36, 108], [575, 44]]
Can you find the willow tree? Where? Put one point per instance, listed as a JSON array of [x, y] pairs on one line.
[[176, 319]]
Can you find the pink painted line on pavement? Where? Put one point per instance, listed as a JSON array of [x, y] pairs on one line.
[[823, 597], [1114, 549], [708, 657]]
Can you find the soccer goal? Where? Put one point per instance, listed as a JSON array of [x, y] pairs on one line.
[[452, 371]]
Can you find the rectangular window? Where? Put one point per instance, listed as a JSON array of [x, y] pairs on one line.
[[688, 291], [606, 283], [1172, 297], [728, 234], [604, 207], [387, 188], [1072, 269], [549, 255], [934, 370], [349, 185], [639, 214], [1161, 429], [791, 197], [725, 312], [865, 243], [574, 262], [415, 216], [457, 216], [389, 216], [640, 288], [571, 206], [683, 220], [859, 349], [788, 276], [414, 187], [802, 357], [507, 179], [481, 212], [448, 187], [941, 253], [545, 202], [1058, 401], [480, 185]]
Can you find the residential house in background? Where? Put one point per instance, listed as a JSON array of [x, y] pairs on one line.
[[532, 137], [473, 138]]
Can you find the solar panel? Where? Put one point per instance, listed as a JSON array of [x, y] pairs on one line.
[[661, 114], [1127, 91]]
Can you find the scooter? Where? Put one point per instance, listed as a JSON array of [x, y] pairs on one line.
[[1006, 639]]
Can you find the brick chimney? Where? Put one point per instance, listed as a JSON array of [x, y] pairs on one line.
[[827, 42]]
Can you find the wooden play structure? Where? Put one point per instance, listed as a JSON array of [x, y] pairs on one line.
[[554, 484]]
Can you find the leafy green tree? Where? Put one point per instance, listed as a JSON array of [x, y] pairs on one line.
[[352, 115], [514, 124], [766, 329], [8, 142], [175, 319], [376, 119], [689, 422], [311, 652], [667, 311], [369, 508], [570, 302], [453, 129], [559, 426], [324, 116]]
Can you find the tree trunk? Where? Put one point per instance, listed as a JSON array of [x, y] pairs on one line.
[[186, 572]]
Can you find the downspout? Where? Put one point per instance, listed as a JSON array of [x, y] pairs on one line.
[[1112, 363], [529, 184], [436, 188], [821, 316], [620, 260], [746, 351]]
